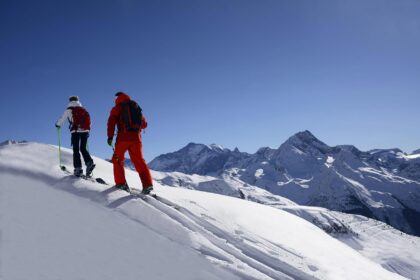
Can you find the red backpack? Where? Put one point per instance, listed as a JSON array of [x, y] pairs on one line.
[[81, 119]]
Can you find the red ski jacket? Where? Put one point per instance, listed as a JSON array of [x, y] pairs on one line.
[[115, 119]]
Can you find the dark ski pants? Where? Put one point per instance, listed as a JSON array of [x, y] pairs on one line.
[[79, 143]]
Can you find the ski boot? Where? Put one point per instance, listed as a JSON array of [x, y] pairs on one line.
[[147, 190], [78, 172], [123, 187], [89, 168]]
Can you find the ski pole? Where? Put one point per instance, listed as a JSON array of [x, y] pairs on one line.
[[62, 167]]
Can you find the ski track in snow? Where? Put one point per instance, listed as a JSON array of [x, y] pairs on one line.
[[233, 249], [233, 245]]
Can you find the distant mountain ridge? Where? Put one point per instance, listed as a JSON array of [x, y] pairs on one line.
[[416, 152], [383, 184], [11, 142]]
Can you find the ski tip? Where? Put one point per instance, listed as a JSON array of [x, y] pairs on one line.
[[100, 181]]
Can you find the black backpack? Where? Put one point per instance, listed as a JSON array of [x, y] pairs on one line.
[[131, 115]]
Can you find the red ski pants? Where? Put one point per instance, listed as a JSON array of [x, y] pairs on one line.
[[136, 156]]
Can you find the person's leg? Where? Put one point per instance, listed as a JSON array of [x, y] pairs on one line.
[[83, 148], [136, 156], [75, 142], [118, 161]]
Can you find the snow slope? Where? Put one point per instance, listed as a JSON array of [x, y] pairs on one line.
[[48, 232], [394, 250], [53, 226]]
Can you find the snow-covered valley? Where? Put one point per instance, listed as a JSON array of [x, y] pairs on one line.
[[54, 226]]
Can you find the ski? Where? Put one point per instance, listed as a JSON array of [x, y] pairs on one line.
[[84, 177], [168, 203], [91, 179], [132, 191], [139, 193]]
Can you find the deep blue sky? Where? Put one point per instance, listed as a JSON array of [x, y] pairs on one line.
[[234, 72]]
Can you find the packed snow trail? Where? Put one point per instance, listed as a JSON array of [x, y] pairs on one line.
[[54, 226]]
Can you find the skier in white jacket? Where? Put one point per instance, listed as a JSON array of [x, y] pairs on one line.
[[79, 120]]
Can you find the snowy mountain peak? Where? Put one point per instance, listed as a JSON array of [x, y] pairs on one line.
[[305, 137], [304, 144], [216, 147], [194, 148], [11, 142], [306, 141], [195, 158]]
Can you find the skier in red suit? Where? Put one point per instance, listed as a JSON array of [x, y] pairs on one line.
[[127, 116]]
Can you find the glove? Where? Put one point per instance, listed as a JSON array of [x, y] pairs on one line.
[[110, 141], [57, 126]]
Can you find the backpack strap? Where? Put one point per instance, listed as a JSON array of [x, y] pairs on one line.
[[74, 109], [124, 108], [70, 121]]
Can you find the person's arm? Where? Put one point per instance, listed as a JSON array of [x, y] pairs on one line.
[[143, 123], [112, 121], [66, 116]]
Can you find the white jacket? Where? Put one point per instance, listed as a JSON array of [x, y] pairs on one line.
[[67, 115]]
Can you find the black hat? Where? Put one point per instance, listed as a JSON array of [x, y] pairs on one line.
[[74, 98], [119, 93]]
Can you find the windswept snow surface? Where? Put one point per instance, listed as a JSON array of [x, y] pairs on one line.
[[53, 226]]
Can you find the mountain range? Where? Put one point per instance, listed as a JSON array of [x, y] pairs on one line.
[[383, 184]]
